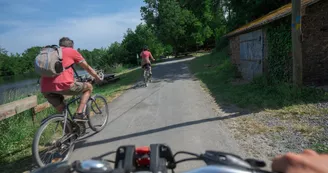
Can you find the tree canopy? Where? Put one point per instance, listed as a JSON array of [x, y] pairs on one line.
[[170, 27]]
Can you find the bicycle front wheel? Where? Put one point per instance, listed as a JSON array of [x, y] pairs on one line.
[[51, 144], [97, 112]]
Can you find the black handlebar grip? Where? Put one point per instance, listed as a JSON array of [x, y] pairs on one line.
[[125, 158], [157, 163]]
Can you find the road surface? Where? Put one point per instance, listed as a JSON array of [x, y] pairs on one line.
[[173, 109]]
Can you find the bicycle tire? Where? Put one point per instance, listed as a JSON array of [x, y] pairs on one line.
[[36, 139], [90, 108], [145, 77]]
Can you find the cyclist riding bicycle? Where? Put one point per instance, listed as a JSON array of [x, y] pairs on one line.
[[53, 88], [145, 62]]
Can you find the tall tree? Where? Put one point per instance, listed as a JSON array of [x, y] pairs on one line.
[[172, 24], [143, 35], [26, 60], [240, 12]]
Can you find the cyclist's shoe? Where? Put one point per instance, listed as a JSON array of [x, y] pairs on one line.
[[56, 158], [80, 117]]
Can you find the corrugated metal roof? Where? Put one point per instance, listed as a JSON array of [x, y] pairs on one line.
[[272, 16]]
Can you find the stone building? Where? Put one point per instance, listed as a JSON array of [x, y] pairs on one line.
[[249, 44]]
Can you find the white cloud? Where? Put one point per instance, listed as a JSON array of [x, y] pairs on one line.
[[87, 32]]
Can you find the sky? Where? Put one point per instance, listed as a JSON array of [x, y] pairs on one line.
[[90, 23]]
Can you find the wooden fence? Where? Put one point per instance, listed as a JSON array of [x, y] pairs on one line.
[[31, 103], [19, 106]]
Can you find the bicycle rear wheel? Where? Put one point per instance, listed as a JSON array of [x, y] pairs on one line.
[[146, 77], [97, 112], [58, 147]]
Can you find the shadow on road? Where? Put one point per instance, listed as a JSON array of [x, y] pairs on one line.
[[178, 70], [190, 123], [19, 166], [171, 72]]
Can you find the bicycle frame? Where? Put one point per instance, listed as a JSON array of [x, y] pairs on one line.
[[67, 112], [66, 109]]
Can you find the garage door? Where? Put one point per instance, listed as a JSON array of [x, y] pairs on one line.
[[251, 54]]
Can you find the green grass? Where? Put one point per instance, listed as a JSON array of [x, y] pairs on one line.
[[18, 131], [217, 74], [116, 68], [16, 139], [320, 148]]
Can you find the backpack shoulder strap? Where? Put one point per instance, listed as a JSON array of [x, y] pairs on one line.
[[60, 53]]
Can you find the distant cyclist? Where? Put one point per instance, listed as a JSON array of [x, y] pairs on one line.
[[145, 62]]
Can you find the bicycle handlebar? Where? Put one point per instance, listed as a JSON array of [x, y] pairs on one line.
[[158, 158], [91, 78], [88, 79]]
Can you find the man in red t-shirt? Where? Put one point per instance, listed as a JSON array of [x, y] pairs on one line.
[[53, 88], [145, 55]]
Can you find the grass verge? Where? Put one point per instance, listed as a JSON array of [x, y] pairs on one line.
[[278, 109], [18, 131]]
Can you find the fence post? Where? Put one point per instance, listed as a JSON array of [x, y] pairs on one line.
[[33, 115]]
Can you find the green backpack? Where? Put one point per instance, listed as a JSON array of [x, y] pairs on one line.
[[48, 63]]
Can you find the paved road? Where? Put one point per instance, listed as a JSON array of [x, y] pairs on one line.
[[173, 110]]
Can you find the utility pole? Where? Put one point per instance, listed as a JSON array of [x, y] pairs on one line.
[[297, 45]]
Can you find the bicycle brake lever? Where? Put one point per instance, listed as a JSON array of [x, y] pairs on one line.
[[256, 163], [215, 157]]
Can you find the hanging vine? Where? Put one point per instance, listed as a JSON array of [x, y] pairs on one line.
[[279, 51]]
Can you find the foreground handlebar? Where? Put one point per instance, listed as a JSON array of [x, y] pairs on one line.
[[91, 166], [158, 158], [223, 169]]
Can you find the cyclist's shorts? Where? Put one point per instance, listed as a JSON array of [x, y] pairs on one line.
[[56, 98], [146, 66]]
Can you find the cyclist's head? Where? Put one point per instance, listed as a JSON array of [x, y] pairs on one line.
[[66, 42], [145, 48]]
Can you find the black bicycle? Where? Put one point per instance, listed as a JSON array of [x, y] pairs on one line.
[[158, 158], [55, 139]]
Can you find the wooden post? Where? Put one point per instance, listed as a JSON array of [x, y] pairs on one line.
[[32, 111], [296, 42], [33, 115]]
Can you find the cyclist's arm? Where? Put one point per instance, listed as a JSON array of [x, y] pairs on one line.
[[151, 56], [89, 69], [78, 59]]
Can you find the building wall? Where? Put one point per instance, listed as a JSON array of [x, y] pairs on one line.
[[235, 50], [315, 44], [265, 50]]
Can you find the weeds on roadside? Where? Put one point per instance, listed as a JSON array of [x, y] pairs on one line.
[[320, 148], [218, 74]]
